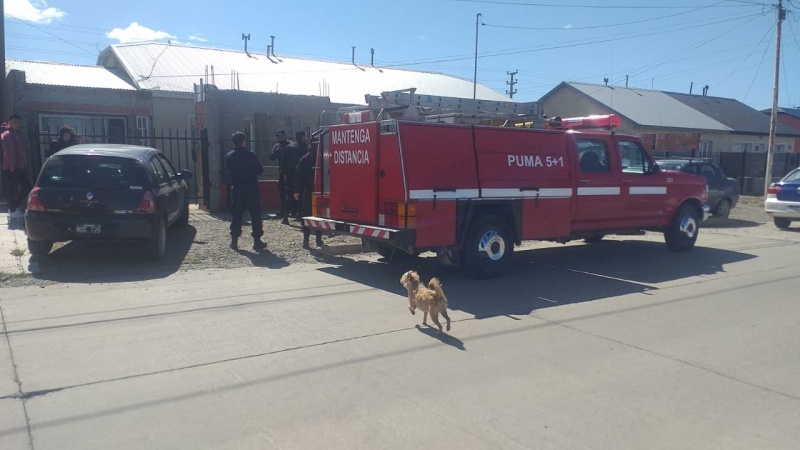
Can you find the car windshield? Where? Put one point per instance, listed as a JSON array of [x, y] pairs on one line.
[[792, 176], [85, 171]]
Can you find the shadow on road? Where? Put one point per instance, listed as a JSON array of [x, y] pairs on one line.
[[551, 276], [717, 223], [103, 262]]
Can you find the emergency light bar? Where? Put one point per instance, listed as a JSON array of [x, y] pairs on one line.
[[594, 121]]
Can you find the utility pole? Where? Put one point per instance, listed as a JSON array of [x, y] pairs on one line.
[[475, 77], [773, 117], [511, 91]]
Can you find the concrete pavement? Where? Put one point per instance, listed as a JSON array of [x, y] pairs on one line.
[[14, 256]]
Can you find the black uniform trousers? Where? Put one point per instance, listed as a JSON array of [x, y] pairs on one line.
[[246, 197]]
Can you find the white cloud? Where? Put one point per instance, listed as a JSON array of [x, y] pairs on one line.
[[136, 32], [568, 27], [421, 38], [32, 11], [197, 38]]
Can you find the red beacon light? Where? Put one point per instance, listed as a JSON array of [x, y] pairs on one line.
[[595, 121]]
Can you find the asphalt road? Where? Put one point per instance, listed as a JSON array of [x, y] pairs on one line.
[[621, 345]]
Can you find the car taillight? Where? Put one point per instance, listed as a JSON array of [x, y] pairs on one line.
[[773, 189], [34, 204], [147, 205]]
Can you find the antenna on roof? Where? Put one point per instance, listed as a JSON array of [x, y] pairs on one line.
[[354, 58], [705, 90], [269, 49], [372, 59]]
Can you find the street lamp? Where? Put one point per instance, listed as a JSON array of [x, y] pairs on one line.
[[475, 77]]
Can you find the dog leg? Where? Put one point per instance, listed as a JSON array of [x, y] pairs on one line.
[[435, 317], [444, 313], [411, 310], [425, 318]]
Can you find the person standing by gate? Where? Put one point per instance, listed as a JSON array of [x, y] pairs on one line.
[[278, 153], [15, 167], [304, 185], [66, 138], [292, 155], [244, 168]]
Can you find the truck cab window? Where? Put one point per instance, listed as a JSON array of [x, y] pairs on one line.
[[592, 155], [634, 158]]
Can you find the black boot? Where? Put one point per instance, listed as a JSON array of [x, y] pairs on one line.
[[235, 243], [305, 240], [258, 244], [319, 240]]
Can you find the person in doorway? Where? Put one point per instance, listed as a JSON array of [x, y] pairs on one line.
[[66, 138], [304, 185], [14, 166], [292, 155], [278, 153], [244, 168]]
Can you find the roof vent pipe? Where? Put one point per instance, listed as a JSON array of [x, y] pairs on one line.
[[272, 44], [354, 58], [372, 59]]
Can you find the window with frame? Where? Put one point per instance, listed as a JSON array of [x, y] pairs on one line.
[[634, 158], [143, 130], [158, 170], [167, 167], [592, 155]]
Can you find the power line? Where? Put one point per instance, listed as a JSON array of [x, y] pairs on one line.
[[46, 32], [595, 6]]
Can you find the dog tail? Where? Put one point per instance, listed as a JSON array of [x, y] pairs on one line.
[[436, 286]]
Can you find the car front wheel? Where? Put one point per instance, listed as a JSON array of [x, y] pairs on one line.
[[723, 209], [782, 222]]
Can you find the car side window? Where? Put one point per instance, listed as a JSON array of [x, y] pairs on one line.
[[709, 173], [167, 167], [634, 158], [592, 155], [158, 170]]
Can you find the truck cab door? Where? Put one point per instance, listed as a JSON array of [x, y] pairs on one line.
[[598, 203], [644, 188]]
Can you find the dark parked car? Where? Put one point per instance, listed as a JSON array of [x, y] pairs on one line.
[[783, 200], [106, 192], [723, 192]]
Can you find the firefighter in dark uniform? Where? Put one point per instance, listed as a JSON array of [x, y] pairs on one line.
[[304, 184], [244, 168], [279, 153], [291, 155]]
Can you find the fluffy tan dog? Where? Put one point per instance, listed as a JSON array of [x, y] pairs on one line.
[[429, 299]]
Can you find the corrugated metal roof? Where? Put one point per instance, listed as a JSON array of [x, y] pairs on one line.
[[650, 108], [57, 74], [172, 67], [732, 113]]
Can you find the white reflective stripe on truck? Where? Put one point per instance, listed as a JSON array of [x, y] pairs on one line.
[[429, 194], [647, 190], [532, 193], [598, 191]]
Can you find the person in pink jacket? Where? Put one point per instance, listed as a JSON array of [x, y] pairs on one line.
[[15, 166]]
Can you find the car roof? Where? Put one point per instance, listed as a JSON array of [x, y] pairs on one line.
[[117, 150]]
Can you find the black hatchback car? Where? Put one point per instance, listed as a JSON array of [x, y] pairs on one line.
[[106, 192], [723, 192]]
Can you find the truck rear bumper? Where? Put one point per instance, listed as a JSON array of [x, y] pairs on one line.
[[371, 232]]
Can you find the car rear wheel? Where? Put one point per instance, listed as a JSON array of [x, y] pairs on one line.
[[183, 220], [681, 234], [159, 245], [723, 209], [782, 222], [39, 248], [488, 247]]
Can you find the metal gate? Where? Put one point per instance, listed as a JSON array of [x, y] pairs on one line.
[[181, 147]]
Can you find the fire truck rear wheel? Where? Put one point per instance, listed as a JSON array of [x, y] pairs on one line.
[[488, 247], [682, 233]]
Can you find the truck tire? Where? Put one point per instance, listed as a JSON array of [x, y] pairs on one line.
[[681, 234], [488, 247]]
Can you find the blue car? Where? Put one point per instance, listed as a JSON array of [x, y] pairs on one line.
[[783, 200]]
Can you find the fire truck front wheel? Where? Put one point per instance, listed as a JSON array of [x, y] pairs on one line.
[[681, 234], [488, 247]]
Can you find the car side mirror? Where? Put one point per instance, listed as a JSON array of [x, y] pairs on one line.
[[654, 168], [185, 175]]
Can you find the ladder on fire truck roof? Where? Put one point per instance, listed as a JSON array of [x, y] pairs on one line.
[[408, 97], [406, 104]]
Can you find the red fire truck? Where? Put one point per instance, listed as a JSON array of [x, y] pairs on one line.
[[471, 192]]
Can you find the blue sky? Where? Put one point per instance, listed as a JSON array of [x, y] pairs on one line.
[[728, 45]]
